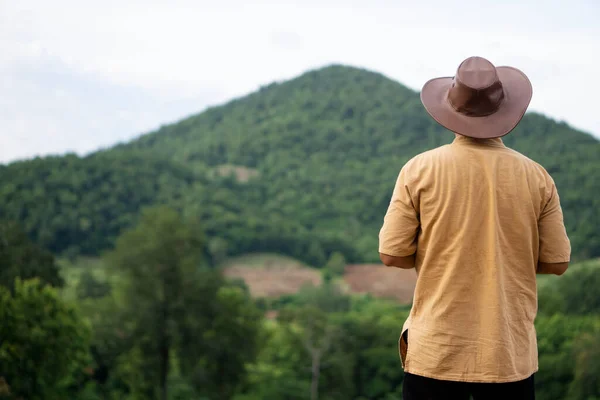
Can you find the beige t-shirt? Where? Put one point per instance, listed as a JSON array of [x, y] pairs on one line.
[[479, 217]]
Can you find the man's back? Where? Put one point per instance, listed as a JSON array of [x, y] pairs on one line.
[[479, 218]]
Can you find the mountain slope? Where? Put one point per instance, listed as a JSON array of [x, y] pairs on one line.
[[319, 155], [331, 142], [78, 205]]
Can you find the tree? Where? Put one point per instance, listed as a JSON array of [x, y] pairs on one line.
[[579, 289], [560, 343], [182, 318], [312, 326], [217, 347], [313, 331], [345, 354], [276, 373], [575, 293], [43, 342], [328, 298], [586, 382], [217, 248], [20, 257], [157, 258], [372, 329], [90, 287], [336, 264]]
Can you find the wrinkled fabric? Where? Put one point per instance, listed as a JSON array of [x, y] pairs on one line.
[[479, 217]]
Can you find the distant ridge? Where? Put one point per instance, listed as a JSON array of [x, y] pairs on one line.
[[323, 149]]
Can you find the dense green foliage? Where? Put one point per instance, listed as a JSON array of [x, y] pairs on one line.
[[315, 160], [569, 334], [159, 260], [176, 318], [163, 325], [74, 205], [43, 343], [21, 258], [353, 351], [575, 293]]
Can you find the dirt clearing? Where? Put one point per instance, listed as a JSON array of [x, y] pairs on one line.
[[271, 275], [381, 281]]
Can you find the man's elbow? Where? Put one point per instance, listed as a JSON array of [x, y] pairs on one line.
[[561, 268], [552, 268], [388, 261], [398, 262]]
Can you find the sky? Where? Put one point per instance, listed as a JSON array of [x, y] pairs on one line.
[[79, 75]]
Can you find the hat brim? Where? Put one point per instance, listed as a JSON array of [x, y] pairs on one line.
[[517, 96]]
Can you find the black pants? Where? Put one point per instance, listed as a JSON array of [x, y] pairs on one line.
[[420, 388]]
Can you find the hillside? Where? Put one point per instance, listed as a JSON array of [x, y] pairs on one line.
[[78, 205], [313, 162], [334, 139]]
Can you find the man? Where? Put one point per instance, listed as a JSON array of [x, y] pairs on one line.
[[477, 220]]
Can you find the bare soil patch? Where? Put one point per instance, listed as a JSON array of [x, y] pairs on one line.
[[241, 173], [381, 281], [272, 276]]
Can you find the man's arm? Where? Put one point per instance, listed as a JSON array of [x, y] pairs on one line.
[[407, 262], [552, 268], [398, 235], [555, 247]]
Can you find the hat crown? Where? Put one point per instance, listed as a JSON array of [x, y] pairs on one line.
[[476, 90], [477, 73]]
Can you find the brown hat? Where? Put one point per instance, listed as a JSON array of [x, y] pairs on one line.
[[481, 101]]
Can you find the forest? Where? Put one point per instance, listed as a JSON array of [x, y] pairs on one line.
[[110, 263]]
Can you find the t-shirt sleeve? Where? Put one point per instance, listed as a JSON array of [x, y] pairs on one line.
[[555, 246], [398, 235]]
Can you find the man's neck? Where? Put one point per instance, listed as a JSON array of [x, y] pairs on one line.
[[495, 142]]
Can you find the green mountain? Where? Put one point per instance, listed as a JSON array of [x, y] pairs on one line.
[[305, 167]]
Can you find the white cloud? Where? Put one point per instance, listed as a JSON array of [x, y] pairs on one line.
[[75, 75]]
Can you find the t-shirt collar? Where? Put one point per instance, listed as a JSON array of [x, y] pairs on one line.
[[465, 140]]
